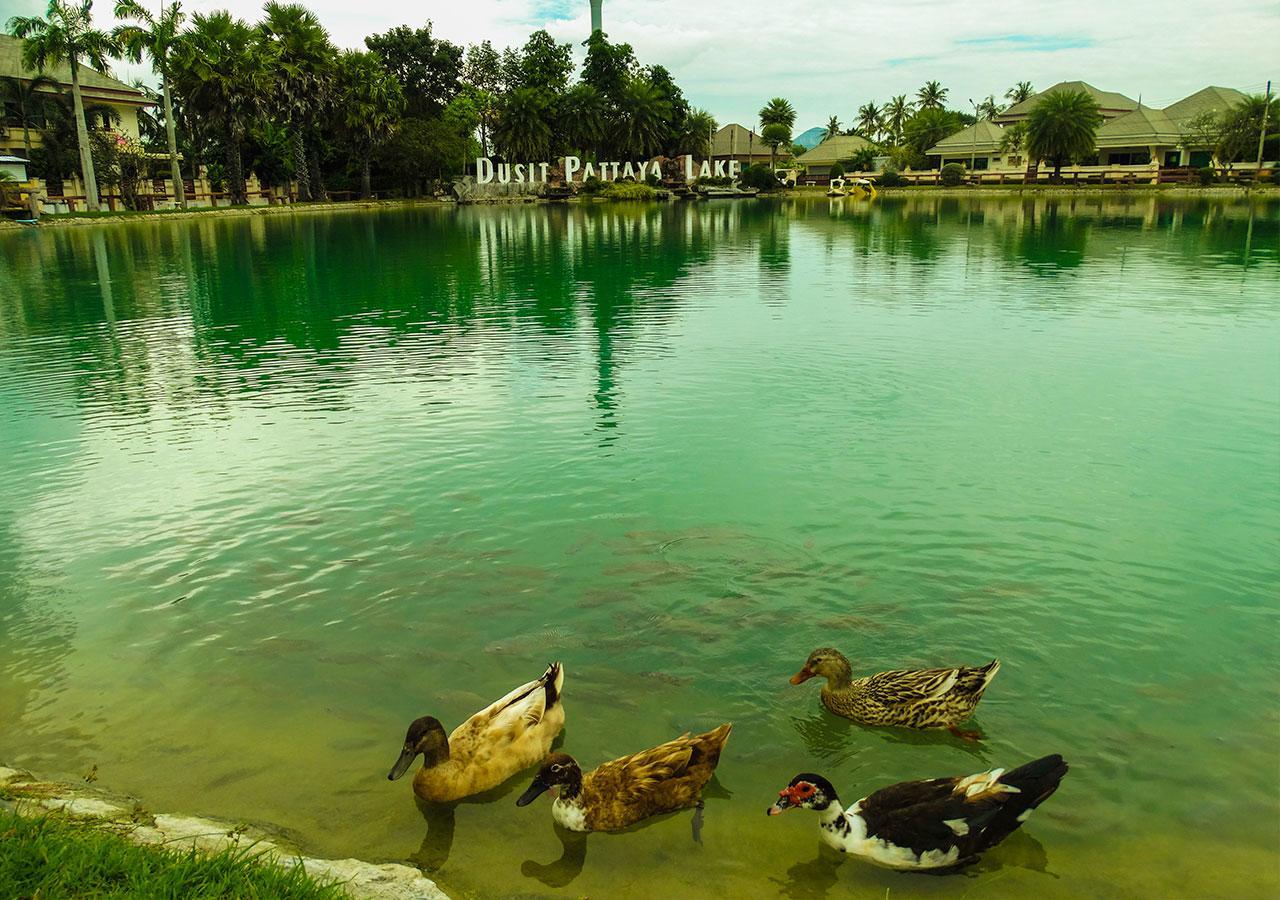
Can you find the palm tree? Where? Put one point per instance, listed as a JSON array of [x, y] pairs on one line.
[[778, 111], [583, 113], [303, 70], [26, 100], [1063, 126], [1019, 92], [932, 96], [643, 113], [522, 130], [67, 35], [371, 102], [222, 72], [833, 128], [989, 108], [154, 37], [896, 112], [776, 135], [699, 125], [869, 120]]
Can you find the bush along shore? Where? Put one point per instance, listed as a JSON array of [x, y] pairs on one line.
[[63, 841]]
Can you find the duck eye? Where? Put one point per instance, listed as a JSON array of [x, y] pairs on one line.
[[557, 768]]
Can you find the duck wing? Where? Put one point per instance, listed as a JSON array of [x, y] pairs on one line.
[[521, 709], [632, 778], [911, 685]]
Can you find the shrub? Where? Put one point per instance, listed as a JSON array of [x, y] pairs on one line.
[[628, 191], [837, 170], [760, 177], [864, 160], [653, 180], [890, 178], [591, 185], [1205, 175], [952, 174]]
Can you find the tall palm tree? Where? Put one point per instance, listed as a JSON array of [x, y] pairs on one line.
[[989, 108], [776, 135], [932, 95], [522, 130], [583, 112], [869, 120], [778, 111], [66, 34], [1063, 127], [642, 117], [222, 72], [26, 100], [833, 128], [154, 37], [303, 56], [699, 126], [371, 101], [896, 113], [1019, 92]]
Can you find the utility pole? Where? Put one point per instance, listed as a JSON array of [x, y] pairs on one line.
[[1262, 132]]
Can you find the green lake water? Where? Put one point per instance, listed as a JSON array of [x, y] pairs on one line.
[[273, 487]]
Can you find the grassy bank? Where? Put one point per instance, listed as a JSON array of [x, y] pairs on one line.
[[53, 857]]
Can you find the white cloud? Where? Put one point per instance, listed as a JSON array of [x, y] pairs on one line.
[[829, 57]]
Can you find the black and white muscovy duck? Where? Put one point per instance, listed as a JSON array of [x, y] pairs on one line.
[[940, 824]]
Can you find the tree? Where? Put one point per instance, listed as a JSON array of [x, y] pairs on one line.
[[642, 117], [675, 127], [583, 116], [896, 113], [922, 131], [932, 95], [482, 72], [607, 67], [371, 101], [1062, 127], [832, 129], [420, 147], [303, 70], [1241, 127], [699, 126], [776, 134], [154, 37], [222, 70], [1019, 92], [426, 67], [1203, 131], [778, 111], [26, 100], [66, 34], [545, 64], [869, 120], [988, 109], [522, 131], [1013, 139]]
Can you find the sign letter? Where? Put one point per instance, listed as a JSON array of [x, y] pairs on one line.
[[484, 170], [571, 165]]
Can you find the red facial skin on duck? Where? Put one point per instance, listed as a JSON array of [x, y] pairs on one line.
[[794, 795]]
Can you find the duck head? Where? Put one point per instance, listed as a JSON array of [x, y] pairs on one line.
[[806, 791], [827, 662], [426, 736], [560, 769]]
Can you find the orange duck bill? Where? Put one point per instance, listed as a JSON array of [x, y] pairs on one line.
[[802, 676]]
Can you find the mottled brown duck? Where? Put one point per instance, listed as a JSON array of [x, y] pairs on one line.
[[905, 698], [502, 740], [628, 790]]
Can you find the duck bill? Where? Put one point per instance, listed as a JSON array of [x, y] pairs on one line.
[[802, 676], [779, 807], [534, 791], [402, 764]]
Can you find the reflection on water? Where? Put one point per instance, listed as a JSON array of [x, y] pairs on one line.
[[276, 486]]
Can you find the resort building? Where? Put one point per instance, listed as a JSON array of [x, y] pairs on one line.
[[1110, 104], [108, 103], [838, 149], [976, 148], [733, 142]]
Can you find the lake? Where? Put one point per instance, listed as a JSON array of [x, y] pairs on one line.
[[275, 486]]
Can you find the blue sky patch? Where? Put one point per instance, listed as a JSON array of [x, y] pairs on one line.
[[1042, 42]]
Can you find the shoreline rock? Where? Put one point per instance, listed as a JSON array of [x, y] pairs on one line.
[[26, 795]]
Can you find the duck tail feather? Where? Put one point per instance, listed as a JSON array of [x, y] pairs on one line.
[[553, 683]]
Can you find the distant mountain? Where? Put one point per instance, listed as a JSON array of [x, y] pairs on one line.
[[811, 138]]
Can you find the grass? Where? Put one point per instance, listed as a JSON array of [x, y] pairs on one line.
[[623, 190], [50, 857]]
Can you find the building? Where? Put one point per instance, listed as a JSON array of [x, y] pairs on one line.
[[733, 142], [108, 102], [838, 149], [976, 148], [1110, 104]]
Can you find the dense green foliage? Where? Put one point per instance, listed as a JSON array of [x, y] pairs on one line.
[[952, 174], [760, 177], [47, 857], [628, 190], [1062, 128]]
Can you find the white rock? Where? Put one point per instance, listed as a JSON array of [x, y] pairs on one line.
[[84, 807], [10, 776], [384, 882]]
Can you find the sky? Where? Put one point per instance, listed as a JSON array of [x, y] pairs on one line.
[[828, 57]]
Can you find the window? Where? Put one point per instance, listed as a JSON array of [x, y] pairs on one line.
[[1172, 159], [1129, 158], [1201, 158]]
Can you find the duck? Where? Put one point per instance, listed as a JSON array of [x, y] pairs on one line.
[[632, 788], [503, 739], [939, 825], [907, 698]]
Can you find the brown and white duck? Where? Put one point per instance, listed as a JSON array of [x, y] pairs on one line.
[[936, 825], [502, 740], [906, 698], [630, 789]]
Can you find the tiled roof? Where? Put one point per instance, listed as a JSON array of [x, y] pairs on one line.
[[833, 149], [734, 140], [1210, 99], [91, 82], [1141, 127], [984, 137], [1107, 100]]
